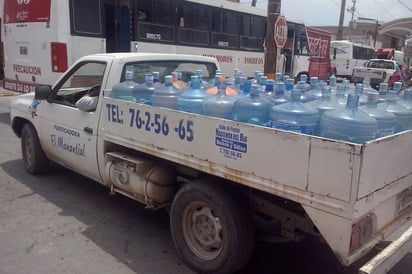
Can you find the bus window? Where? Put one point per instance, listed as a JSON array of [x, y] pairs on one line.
[[301, 41], [251, 33], [231, 24], [194, 24], [155, 22], [217, 20], [86, 18], [258, 26], [156, 11]]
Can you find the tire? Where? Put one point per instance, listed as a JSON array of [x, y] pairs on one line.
[[34, 159], [211, 229]]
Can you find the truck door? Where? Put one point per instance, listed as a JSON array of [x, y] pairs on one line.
[[68, 134]]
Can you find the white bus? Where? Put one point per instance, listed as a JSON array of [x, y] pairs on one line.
[[346, 55], [42, 38]]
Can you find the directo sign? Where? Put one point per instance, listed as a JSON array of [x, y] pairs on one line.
[[281, 32]]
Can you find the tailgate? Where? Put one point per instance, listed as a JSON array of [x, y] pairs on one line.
[[360, 73]]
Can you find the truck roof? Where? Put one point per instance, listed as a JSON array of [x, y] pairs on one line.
[[140, 56]]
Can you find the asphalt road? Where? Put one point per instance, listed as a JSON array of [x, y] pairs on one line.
[[61, 222]]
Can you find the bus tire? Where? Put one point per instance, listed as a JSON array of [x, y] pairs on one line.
[[34, 159], [211, 229]]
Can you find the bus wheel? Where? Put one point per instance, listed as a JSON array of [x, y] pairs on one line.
[[34, 159], [212, 231]]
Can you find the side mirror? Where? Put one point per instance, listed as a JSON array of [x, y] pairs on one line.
[[42, 92]]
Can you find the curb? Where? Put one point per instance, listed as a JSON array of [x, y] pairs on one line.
[[6, 93]]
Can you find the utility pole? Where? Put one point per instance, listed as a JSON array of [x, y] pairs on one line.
[[341, 19], [271, 50], [352, 10]]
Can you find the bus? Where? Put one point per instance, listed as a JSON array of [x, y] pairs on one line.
[[346, 55], [42, 38]]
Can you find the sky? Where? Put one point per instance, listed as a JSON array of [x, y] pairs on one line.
[[327, 12]]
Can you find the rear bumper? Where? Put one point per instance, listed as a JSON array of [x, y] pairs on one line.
[[392, 254]]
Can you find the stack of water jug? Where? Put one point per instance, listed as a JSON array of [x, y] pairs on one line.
[[337, 111]]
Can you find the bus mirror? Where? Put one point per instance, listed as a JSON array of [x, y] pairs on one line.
[[42, 92], [334, 53]]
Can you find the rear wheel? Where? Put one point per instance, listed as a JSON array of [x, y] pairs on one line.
[[211, 229], [34, 158]]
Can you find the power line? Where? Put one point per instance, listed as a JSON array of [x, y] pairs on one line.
[[404, 5], [385, 9]]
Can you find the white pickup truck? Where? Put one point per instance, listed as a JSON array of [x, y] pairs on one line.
[[377, 70], [224, 182]]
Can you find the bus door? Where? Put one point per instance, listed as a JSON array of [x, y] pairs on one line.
[[287, 53], [117, 25]]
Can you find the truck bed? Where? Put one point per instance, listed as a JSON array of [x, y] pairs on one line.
[[334, 181]]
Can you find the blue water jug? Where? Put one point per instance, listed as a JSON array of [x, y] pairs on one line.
[[397, 87], [406, 99], [246, 88], [366, 90], [125, 89], [203, 84], [363, 98], [347, 86], [191, 100], [305, 86], [143, 92], [156, 79], [269, 92], [166, 95], [325, 102], [279, 94], [180, 85], [348, 124], [252, 109], [403, 115], [230, 81], [332, 84], [285, 79], [288, 87], [221, 104], [294, 116], [339, 98], [314, 93], [383, 92], [278, 77], [386, 121]]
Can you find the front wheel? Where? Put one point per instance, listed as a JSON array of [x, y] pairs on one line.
[[211, 229], [34, 158]]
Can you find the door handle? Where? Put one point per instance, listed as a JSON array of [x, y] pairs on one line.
[[88, 130]]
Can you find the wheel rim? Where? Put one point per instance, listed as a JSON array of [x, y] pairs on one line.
[[202, 230], [28, 150]]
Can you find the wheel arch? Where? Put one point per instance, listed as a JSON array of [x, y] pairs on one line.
[[17, 125]]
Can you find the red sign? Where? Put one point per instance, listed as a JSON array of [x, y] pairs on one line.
[[281, 32], [26, 11]]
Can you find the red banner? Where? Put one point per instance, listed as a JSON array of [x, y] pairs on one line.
[[26, 11]]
